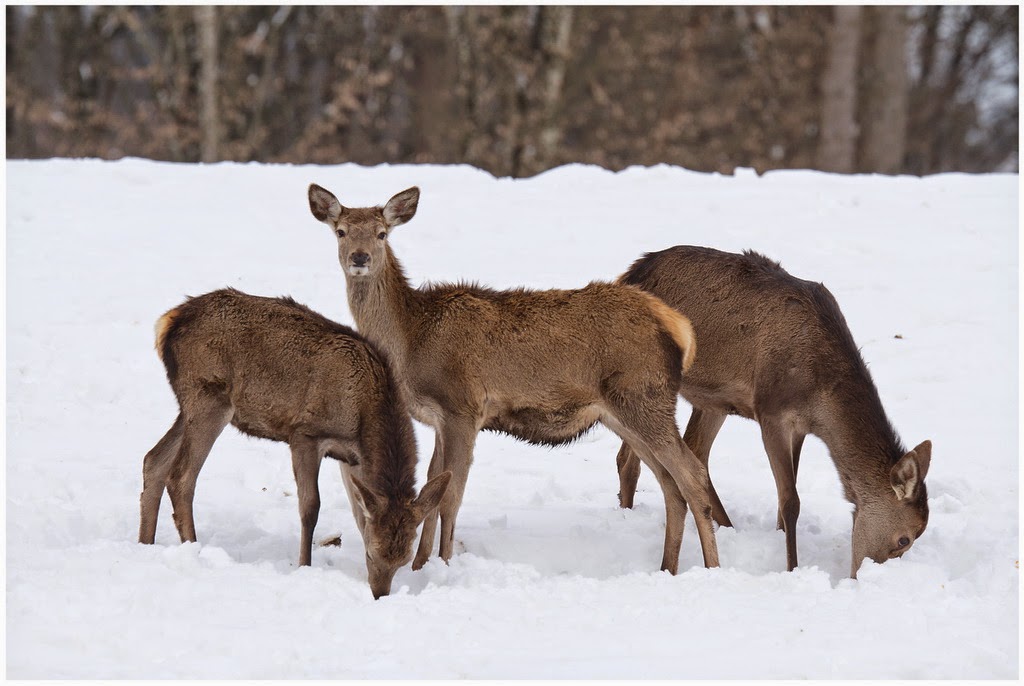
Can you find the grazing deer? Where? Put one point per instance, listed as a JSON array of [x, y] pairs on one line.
[[776, 349], [543, 366], [275, 369]]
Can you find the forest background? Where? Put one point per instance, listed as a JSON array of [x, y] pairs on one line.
[[516, 90]]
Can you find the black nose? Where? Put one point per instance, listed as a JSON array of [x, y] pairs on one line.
[[904, 542], [360, 259]]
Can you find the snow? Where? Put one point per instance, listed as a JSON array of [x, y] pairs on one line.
[[550, 578]]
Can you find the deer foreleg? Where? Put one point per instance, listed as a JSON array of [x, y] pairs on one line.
[[459, 438], [426, 546], [798, 442], [628, 465], [306, 467], [778, 443]]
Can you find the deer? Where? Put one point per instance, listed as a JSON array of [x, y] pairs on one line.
[[541, 365], [777, 349], [275, 369]]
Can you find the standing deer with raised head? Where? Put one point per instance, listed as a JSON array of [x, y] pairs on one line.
[[275, 369], [776, 349], [543, 366]]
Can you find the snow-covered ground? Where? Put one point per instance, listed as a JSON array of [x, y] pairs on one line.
[[550, 578]]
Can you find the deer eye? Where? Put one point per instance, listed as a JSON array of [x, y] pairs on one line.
[[341, 233], [904, 541], [382, 235]]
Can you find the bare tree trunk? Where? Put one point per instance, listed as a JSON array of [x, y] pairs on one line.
[[523, 69], [267, 41], [209, 122], [885, 123], [556, 47], [460, 31], [837, 146]]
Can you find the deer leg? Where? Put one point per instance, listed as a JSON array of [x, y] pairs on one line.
[[683, 480], [798, 443], [306, 467], [357, 511], [675, 506], [459, 438], [691, 477], [778, 443], [199, 434], [675, 510], [155, 468], [658, 435], [675, 518], [701, 431], [430, 523], [628, 465]]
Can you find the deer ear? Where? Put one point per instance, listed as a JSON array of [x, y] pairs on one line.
[[324, 206], [430, 496], [369, 501], [909, 472], [924, 457], [402, 207]]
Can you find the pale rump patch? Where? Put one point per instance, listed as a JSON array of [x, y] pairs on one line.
[[676, 325], [161, 327]]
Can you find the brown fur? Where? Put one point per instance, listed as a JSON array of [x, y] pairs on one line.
[[543, 366], [677, 326], [275, 369], [776, 349]]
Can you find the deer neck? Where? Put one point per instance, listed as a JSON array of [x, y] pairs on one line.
[[383, 306], [863, 444], [388, 438]]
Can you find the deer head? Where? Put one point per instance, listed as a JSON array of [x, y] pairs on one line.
[[887, 527], [390, 529], [362, 232]]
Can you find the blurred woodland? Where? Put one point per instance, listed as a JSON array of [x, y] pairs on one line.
[[517, 90]]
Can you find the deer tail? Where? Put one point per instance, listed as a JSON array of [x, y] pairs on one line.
[[677, 326], [163, 325]]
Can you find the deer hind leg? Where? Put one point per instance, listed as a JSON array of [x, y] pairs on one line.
[[675, 509], [459, 438], [798, 443], [656, 433], [628, 465], [691, 477], [199, 434], [683, 481], [778, 443], [155, 468], [701, 431], [306, 467], [426, 546]]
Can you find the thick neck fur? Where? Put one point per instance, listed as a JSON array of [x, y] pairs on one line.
[[382, 305], [863, 444], [389, 443]]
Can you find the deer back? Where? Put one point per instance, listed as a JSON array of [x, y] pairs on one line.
[[766, 338], [282, 366], [537, 347]]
